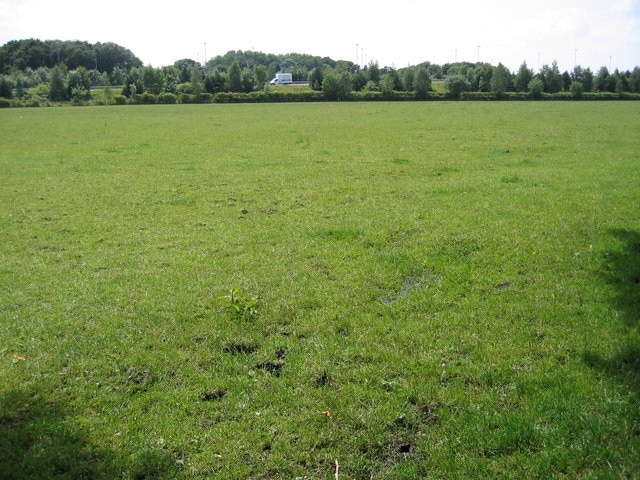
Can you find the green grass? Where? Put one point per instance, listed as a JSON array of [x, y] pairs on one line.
[[414, 290]]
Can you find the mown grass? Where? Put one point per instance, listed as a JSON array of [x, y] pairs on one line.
[[413, 290]]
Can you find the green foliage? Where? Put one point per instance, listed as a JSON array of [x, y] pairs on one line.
[[215, 82], [248, 81], [150, 81], [552, 78], [475, 96], [523, 78], [316, 78], [373, 72], [387, 85], [57, 85], [197, 80], [336, 86], [409, 77], [261, 75], [603, 81], [234, 78], [577, 90], [536, 87], [6, 89], [78, 81], [500, 80], [422, 83], [167, 98], [79, 95], [240, 305], [34, 54], [456, 85]]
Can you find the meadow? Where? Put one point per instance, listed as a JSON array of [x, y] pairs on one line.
[[320, 291]]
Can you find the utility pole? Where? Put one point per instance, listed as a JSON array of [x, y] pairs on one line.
[[205, 53], [478, 58]]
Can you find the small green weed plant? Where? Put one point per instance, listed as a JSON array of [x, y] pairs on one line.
[[240, 305]]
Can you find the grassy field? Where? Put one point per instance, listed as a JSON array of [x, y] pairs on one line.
[[406, 290]]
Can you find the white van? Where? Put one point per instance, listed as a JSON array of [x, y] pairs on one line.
[[281, 79]]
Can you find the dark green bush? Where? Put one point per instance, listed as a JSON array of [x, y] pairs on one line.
[[477, 96], [167, 98], [202, 97], [366, 96], [291, 96], [146, 98], [5, 102]]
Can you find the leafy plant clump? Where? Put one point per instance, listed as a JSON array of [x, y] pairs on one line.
[[242, 306]]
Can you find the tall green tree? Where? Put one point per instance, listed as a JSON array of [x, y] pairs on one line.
[[149, 80], [409, 77], [197, 80], [634, 80], [57, 84], [6, 89], [584, 76], [552, 78], [235, 77], [316, 78], [387, 85], [248, 81], [457, 84], [523, 78], [603, 81], [336, 85], [422, 84], [500, 80], [214, 83], [261, 75], [373, 72], [536, 87]]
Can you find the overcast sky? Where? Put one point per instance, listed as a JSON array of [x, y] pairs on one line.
[[394, 33]]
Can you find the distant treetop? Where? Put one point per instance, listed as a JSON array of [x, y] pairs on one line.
[[33, 53]]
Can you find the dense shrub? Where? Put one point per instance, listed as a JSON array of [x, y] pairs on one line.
[[367, 95], [577, 90], [478, 96], [146, 98], [457, 84], [167, 98], [5, 102], [6, 90], [285, 95], [536, 88], [202, 97], [120, 100]]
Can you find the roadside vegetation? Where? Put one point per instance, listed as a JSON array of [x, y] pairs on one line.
[[391, 290], [37, 73]]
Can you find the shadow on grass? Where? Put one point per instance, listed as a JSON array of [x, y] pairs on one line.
[[622, 271], [37, 440]]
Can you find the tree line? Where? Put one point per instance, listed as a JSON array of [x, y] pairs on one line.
[[33, 54], [35, 71]]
